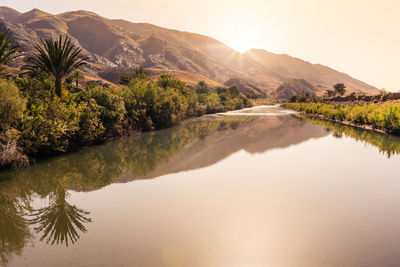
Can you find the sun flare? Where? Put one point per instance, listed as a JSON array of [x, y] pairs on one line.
[[240, 44]]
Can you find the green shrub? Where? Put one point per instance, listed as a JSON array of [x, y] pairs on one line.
[[49, 129], [110, 106], [91, 127], [383, 115], [12, 105]]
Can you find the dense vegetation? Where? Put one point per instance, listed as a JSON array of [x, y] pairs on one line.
[[43, 112], [380, 115]]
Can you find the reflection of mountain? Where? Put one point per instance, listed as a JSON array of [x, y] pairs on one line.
[[256, 136]]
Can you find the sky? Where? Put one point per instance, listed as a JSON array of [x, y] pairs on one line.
[[358, 37]]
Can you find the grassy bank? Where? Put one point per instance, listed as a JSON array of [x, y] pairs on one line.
[[384, 116], [35, 122]]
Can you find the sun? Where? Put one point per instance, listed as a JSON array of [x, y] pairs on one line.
[[240, 44]]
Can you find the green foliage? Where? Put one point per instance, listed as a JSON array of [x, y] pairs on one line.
[[384, 115], [223, 99], [77, 76], [68, 82], [57, 58], [202, 88], [49, 128], [8, 50], [301, 97], [150, 105], [125, 78], [110, 107], [139, 73], [234, 90], [331, 93], [91, 127], [340, 89], [167, 81], [12, 105]]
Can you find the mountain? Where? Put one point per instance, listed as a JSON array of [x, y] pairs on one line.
[[114, 46], [284, 67], [291, 87]]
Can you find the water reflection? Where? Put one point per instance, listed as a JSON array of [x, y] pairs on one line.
[[60, 222], [387, 144], [14, 230], [194, 144]]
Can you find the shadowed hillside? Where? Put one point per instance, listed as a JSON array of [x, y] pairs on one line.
[[112, 44], [291, 87]]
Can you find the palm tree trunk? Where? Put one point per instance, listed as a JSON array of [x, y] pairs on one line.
[[58, 87]]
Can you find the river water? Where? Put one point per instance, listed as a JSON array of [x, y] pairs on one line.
[[256, 187]]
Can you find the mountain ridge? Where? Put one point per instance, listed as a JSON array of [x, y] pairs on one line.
[[118, 43]]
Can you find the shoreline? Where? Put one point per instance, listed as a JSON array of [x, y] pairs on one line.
[[347, 123], [126, 134]]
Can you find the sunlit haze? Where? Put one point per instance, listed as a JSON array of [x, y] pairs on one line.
[[358, 37]]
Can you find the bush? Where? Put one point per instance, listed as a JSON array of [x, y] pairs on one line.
[[50, 128], [91, 127], [110, 106], [383, 115], [12, 105]]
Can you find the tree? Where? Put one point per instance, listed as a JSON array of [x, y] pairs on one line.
[[330, 93], [234, 90], [141, 73], [57, 58], [8, 50], [340, 88], [166, 81], [138, 73], [77, 76], [125, 78], [69, 81], [202, 88]]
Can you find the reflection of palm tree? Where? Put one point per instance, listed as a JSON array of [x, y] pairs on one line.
[[60, 221], [14, 233]]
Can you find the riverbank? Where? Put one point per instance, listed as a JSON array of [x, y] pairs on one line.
[[381, 117], [35, 123]]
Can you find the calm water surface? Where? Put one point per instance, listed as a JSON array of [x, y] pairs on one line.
[[258, 187]]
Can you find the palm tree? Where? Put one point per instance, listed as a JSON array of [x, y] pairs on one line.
[[166, 81], [141, 73], [340, 88], [77, 75], [68, 81], [138, 73], [8, 50], [58, 58]]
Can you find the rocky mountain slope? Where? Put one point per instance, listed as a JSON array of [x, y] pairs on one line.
[[113, 45]]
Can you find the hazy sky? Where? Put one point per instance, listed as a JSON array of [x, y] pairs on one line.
[[359, 37]]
